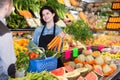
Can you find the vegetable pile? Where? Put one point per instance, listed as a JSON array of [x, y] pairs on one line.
[[15, 20]]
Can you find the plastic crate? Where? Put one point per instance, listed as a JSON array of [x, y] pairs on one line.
[[48, 64]]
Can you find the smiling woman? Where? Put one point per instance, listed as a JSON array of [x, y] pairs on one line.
[[48, 18], [44, 34]]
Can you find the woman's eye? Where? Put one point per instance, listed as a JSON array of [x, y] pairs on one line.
[[47, 13]]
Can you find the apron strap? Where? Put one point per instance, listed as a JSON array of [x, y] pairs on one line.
[[43, 30], [54, 29]]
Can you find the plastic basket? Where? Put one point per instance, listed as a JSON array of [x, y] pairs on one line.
[[48, 64]]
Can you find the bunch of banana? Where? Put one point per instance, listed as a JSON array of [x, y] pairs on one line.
[[113, 56]]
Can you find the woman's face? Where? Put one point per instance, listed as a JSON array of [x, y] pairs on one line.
[[47, 15]]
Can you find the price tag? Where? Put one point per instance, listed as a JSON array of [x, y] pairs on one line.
[[75, 52], [67, 54]]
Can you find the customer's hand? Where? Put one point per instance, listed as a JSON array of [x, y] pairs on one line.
[[12, 70]]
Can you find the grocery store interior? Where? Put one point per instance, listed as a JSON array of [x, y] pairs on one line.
[[89, 50]]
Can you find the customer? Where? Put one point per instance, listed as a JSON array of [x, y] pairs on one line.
[[45, 33], [7, 55]]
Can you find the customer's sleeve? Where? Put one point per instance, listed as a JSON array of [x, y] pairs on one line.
[[3, 73]]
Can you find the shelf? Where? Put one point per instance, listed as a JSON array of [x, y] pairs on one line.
[[103, 30], [27, 29], [91, 1]]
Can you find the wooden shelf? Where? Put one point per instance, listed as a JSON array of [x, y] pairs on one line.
[[27, 29]]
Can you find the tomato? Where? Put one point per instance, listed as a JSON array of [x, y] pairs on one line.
[[36, 55], [33, 55]]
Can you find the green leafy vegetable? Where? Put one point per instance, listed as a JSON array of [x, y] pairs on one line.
[[80, 30], [50, 53], [22, 62]]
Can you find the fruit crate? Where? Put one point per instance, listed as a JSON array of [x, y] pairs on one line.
[[115, 19], [116, 6], [112, 26]]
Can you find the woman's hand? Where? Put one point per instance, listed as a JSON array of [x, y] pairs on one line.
[[62, 34]]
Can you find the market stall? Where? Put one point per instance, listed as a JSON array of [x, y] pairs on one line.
[[90, 49]]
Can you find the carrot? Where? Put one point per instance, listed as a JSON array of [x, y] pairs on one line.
[[52, 40], [55, 46], [25, 13], [20, 12], [59, 45], [54, 43], [74, 3], [82, 16]]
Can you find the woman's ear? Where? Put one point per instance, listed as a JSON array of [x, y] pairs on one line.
[[53, 14]]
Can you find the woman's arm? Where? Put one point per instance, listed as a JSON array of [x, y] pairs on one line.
[[36, 35]]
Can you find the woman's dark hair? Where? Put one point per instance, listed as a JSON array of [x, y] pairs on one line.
[[55, 18]]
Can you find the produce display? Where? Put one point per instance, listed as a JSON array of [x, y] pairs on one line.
[[92, 56], [96, 64]]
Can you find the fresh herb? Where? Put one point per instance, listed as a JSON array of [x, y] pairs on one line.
[[80, 30]]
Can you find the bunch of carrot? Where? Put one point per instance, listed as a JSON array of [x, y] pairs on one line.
[[25, 13], [55, 43]]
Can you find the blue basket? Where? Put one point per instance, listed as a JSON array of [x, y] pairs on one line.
[[48, 64]]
